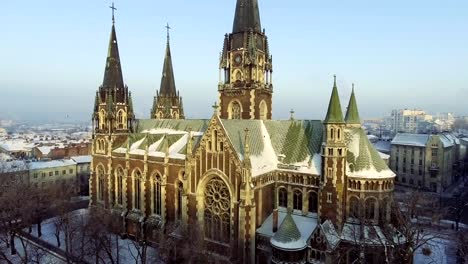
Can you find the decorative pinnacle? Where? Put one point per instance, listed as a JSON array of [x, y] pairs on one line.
[[291, 114], [216, 108], [352, 90], [168, 28], [246, 146], [334, 80], [113, 9]]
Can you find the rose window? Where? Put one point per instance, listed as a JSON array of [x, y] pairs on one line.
[[217, 211]]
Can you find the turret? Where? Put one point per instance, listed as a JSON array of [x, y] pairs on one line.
[[333, 188], [352, 113]]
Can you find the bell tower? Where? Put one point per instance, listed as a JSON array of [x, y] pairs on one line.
[[333, 189], [245, 75], [113, 108]]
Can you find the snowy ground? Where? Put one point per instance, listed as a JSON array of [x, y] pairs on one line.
[[443, 248], [128, 251]]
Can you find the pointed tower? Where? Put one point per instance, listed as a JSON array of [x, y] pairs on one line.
[[113, 111], [112, 122], [246, 90], [167, 102], [333, 189], [352, 114]]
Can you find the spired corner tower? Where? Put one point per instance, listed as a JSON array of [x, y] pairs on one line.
[[113, 119], [246, 90], [167, 102], [332, 195]]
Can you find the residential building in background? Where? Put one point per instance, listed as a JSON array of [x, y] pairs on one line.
[[54, 173], [410, 121], [83, 171], [425, 161]]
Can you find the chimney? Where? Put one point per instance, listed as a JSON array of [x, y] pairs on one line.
[[275, 220]]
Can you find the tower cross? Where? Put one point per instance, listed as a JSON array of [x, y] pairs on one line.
[[113, 9], [167, 28]]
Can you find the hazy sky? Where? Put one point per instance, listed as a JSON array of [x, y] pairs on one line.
[[399, 53]]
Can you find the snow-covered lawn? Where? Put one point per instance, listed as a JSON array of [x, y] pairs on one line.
[[127, 249]]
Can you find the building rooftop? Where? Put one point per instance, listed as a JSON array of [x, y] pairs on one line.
[[37, 165]]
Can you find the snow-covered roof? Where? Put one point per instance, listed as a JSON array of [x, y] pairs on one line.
[[333, 238], [367, 234], [407, 139], [288, 236], [16, 145], [305, 226], [13, 166], [383, 146], [278, 144], [37, 165], [82, 159], [362, 159], [160, 135], [45, 150], [5, 157]]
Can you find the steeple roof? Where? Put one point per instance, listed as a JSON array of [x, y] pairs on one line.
[[113, 72], [352, 113], [247, 17], [334, 113], [167, 80]]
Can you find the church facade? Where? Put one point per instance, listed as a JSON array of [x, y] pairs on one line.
[[255, 190]]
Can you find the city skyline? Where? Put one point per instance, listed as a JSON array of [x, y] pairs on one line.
[[310, 43]]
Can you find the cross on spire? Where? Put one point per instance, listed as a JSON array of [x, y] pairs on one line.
[[167, 28], [113, 9]]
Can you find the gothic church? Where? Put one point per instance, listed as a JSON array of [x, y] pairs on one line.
[[256, 190]]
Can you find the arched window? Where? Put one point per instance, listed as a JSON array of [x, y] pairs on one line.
[[354, 207], [313, 202], [119, 175], [137, 184], [100, 183], [175, 115], [180, 192], [297, 200], [121, 118], [156, 193], [263, 110], [339, 134], [370, 209], [217, 212], [282, 197], [332, 133], [235, 110]]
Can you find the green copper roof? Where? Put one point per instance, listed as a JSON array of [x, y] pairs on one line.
[[296, 140], [334, 113], [352, 114], [361, 154], [288, 235]]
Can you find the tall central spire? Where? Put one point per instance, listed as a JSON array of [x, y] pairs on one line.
[[247, 17]]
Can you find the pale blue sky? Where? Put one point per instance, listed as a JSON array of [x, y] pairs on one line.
[[399, 53]]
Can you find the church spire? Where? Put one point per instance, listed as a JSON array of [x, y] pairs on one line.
[[352, 113], [113, 72], [334, 113], [167, 104], [167, 80], [247, 17]]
